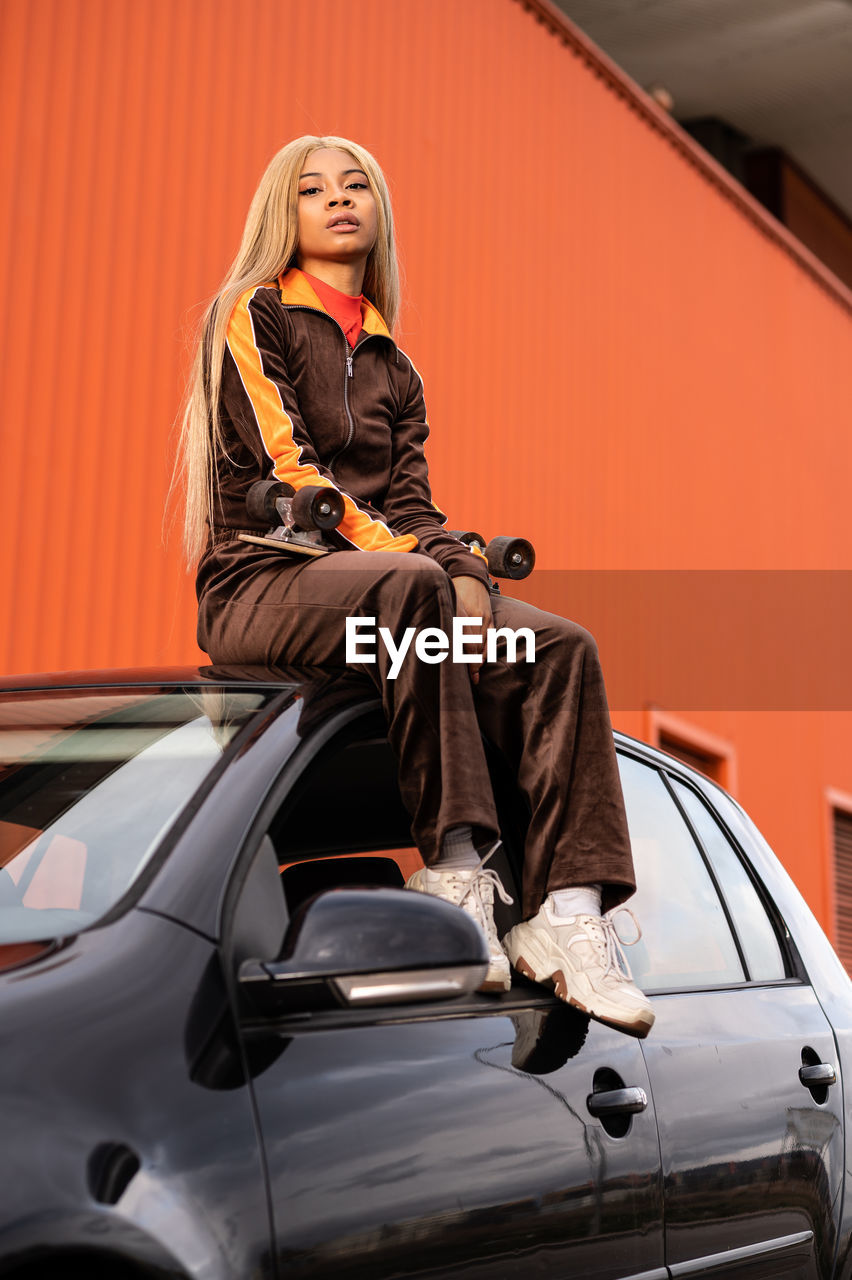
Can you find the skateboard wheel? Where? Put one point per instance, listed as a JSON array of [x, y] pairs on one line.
[[261, 499], [317, 506], [510, 557], [468, 536]]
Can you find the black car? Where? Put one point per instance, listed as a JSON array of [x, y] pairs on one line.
[[234, 1046]]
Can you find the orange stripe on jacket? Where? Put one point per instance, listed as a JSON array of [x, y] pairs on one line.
[[276, 432]]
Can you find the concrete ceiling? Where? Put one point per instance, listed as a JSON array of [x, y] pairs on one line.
[[780, 71]]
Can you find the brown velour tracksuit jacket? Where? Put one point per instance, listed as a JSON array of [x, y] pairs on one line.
[[304, 406], [298, 403]]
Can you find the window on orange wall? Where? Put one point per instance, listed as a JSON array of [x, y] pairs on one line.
[[701, 760], [696, 746], [841, 835]]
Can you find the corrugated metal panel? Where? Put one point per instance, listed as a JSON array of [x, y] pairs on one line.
[[619, 363], [616, 362]]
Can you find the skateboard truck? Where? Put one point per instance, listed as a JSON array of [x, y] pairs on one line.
[[298, 517], [507, 557]]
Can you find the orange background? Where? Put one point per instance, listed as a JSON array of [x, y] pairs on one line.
[[626, 359]]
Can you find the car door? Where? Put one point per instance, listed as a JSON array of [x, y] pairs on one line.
[[751, 1133], [451, 1137]]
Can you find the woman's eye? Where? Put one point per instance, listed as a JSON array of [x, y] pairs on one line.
[[308, 191], [358, 186]]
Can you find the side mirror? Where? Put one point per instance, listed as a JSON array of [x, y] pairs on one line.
[[370, 946]]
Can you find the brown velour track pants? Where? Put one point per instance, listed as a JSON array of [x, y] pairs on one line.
[[549, 718]]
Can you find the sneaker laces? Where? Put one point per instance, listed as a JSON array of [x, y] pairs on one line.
[[478, 881], [608, 941]]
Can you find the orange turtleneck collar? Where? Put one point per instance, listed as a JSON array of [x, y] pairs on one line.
[[343, 307]]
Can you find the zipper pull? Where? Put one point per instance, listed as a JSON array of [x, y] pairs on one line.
[[349, 366]]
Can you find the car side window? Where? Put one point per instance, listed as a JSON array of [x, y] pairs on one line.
[[686, 939], [344, 822], [763, 955]]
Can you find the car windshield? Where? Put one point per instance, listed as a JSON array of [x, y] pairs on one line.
[[90, 783]]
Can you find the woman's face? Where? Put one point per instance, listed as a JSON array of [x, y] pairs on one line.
[[337, 211]]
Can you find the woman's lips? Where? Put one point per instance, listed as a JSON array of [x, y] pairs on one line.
[[344, 226]]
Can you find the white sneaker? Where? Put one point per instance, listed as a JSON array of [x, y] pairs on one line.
[[582, 957], [473, 891]]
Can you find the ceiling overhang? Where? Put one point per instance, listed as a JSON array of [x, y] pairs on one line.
[[779, 71]]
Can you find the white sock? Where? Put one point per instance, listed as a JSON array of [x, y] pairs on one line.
[[584, 900], [458, 852]]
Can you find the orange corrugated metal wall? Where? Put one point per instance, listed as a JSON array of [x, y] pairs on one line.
[[618, 361]]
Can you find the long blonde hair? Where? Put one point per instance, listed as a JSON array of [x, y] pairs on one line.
[[269, 245]]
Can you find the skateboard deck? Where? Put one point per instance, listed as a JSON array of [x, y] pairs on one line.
[[284, 544]]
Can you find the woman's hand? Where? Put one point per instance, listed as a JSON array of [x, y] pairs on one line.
[[474, 601]]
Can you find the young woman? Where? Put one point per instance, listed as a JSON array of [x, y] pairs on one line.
[[298, 376]]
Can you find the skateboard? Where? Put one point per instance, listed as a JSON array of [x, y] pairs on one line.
[[298, 518], [507, 557]]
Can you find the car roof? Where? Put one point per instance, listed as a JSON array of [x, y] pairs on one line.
[[276, 677], [327, 701], [147, 677]]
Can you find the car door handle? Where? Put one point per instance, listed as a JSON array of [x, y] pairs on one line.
[[820, 1073], [615, 1102]]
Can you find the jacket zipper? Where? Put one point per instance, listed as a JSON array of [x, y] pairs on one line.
[[350, 352], [347, 376]]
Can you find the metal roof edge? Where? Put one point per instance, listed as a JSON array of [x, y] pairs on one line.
[[124, 677], [103, 676], [560, 25]]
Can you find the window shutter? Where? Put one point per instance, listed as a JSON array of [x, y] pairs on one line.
[[843, 884], [693, 756]]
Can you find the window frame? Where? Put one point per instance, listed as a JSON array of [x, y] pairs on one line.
[[354, 719], [795, 973], [779, 930]]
